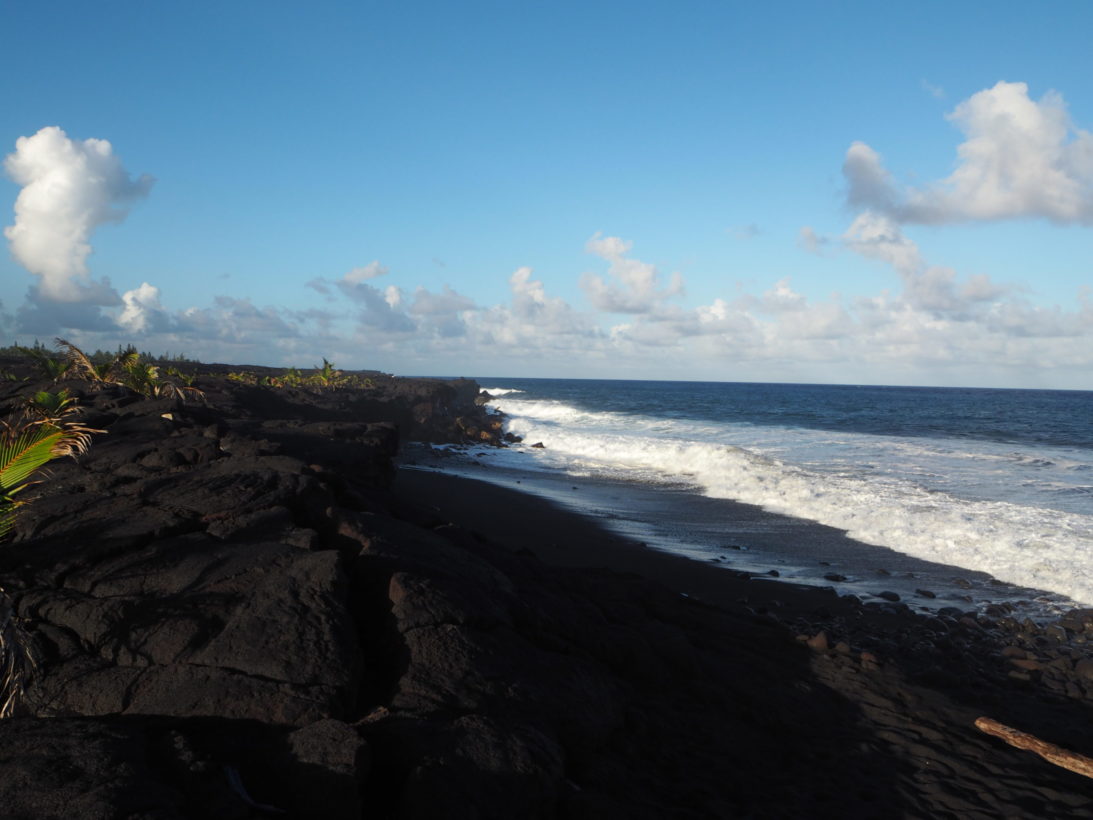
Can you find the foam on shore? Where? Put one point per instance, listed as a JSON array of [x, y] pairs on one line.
[[915, 514]]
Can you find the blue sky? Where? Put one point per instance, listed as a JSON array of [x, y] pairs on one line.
[[722, 191]]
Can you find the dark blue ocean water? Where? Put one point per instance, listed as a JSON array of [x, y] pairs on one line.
[[992, 481], [1055, 417]]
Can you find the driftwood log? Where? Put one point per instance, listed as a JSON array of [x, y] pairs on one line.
[[1048, 751]]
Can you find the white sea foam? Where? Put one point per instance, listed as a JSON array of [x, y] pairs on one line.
[[500, 391], [948, 501]]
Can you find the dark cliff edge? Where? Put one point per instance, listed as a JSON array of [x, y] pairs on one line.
[[235, 615]]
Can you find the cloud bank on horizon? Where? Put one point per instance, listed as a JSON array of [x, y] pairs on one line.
[[1020, 159]]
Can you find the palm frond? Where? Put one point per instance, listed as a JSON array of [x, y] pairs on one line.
[[23, 450], [51, 407], [51, 368], [26, 448], [123, 362], [78, 361], [16, 661], [8, 506]]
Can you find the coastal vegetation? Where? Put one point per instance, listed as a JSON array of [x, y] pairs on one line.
[[160, 376], [128, 369], [324, 377]]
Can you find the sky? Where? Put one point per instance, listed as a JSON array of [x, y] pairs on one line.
[[718, 191]]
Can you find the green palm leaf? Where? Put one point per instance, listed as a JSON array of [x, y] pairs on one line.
[[22, 452]]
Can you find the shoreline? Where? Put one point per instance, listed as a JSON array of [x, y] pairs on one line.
[[750, 540]]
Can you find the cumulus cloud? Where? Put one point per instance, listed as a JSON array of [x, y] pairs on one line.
[[69, 188], [869, 183], [534, 324], [926, 287], [782, 298], [388, 311], [536, 311], [351, 279], [448, 301], [1021, 158], [380, 310], [879, 237], [142, 310], [442, 312], [631, 286], [540, 312], [236, 320]]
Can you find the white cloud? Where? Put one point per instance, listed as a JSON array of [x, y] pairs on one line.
[[392, 295], [528, 295], [350, 280], [238, 320], [448, 301], [880, 237], [369, 271], [782, 298], [379, 310], [980, 288], [444, 312], [69, 188], [532, 306], [535, 323], [926, 287], [631, 286], [1020, 158], [870, 185], [142, 310]]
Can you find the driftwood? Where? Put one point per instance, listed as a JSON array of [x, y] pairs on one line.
[[1048, 751]]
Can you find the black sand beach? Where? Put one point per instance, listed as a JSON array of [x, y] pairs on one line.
[[913, 710], [241, 609]]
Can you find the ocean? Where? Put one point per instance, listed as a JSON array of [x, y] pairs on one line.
[[974, 496]]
